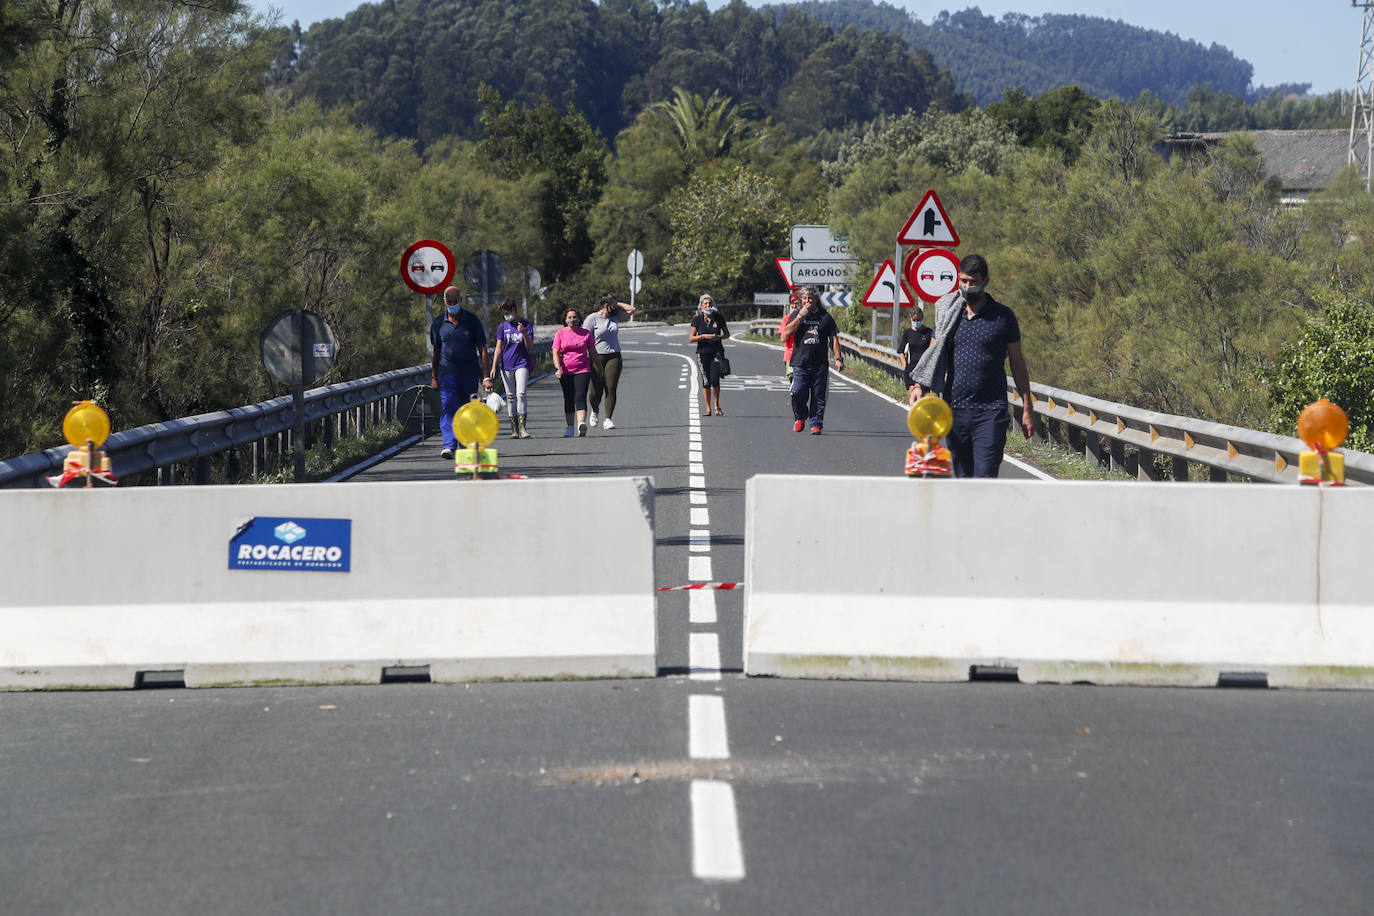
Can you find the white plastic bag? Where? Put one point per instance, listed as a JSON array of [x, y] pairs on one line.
[[496, 402]]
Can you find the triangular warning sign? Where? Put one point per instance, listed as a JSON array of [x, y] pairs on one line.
[[885, 288], [928, 225], [785, 268]]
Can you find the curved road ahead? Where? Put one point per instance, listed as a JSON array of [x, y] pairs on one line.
[[698, 791]]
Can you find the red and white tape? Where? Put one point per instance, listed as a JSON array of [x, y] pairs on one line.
[[714, 586]]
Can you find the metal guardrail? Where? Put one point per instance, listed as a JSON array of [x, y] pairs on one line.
[[1139, 442], [162, 446]]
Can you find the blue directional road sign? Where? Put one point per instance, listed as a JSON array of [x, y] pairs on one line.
[[837, 300]]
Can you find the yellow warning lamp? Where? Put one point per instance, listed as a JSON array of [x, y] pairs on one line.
[[929, 419], [86, 422], [476, 426], [1323, 426], [86, 427]]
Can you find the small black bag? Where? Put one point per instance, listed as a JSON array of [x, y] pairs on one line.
[[724, 366]]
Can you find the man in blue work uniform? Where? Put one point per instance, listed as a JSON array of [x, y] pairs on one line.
[[459, 362], [975, 335]]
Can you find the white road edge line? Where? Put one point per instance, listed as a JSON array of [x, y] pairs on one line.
[[716, 851]]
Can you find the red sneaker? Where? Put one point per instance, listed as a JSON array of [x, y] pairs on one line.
[[797, 427], [815, 430]]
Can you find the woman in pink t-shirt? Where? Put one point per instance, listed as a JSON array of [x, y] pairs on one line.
[[574, 351]]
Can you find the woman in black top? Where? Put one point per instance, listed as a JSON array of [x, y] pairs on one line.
[[708, 330], [915, 340]]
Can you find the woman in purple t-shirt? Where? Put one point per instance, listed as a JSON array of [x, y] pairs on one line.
[[514, 338], [574, 352]]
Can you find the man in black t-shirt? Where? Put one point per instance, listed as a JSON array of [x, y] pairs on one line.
[[813, 332], [914, 342], [975, 336]]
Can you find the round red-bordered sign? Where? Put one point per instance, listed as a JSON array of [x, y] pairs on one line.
[[427, 266], [932, 272]]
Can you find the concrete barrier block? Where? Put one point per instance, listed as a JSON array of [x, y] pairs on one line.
[[474, 579], [1124, 583]]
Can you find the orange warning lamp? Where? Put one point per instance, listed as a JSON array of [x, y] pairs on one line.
[[1323, 426]]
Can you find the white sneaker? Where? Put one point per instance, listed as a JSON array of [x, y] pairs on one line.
[[446, 453], [609, 424], [591, 419], [567, 433]]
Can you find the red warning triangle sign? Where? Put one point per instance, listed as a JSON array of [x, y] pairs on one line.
[[885, 288], [785, 268], [928, 226]]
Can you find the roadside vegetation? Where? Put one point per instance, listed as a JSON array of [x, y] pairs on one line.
[[175, 174]]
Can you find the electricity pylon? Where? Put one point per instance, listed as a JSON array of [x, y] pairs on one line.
[[1362, 112]]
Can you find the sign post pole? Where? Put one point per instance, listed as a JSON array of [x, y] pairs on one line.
[[298, 395], [634, 264]]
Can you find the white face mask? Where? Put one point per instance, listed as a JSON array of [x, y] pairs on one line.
[[508, 315], [570, 321]]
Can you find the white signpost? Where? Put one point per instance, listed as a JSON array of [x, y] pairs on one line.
[[820, 256], [635, 265]]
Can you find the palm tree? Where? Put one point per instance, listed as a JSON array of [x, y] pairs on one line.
[[707, 128]]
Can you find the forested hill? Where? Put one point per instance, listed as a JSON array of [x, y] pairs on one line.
[[1106, 58], [411, 68]]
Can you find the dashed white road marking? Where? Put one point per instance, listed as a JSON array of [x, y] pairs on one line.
[[703, 656], [707, 739], [699, 569], [700, 517], [716, 851], [698, 498], [701, 606], [699, 539]]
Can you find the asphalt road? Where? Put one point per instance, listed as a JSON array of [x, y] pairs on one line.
[[699, 790]]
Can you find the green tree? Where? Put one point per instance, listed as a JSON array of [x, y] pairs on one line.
[[567, 154], [707, 129], [726, 225], [1332, 358], [110, 113]]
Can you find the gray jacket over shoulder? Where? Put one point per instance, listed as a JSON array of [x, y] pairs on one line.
[[934, 363]]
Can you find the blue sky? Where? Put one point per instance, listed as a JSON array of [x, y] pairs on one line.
[[1315, 43]]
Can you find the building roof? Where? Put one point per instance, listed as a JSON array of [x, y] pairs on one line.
[[1303, 161]]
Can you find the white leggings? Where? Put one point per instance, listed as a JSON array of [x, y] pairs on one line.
[[517, 390]]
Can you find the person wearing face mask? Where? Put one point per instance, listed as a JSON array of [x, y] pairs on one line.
[[514, 338], [975, 335], [604, 324], [793, 307], [708, 331], [913, 344], [817, 337], [574, 354], [458, 363]]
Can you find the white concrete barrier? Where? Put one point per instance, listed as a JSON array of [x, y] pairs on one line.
[[1125, 583], [477, 580]]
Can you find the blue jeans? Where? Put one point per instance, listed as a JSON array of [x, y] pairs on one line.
[[454, 392], [976, 441], [809, 387]]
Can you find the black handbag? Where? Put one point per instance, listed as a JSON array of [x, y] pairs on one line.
[[724, 366]]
